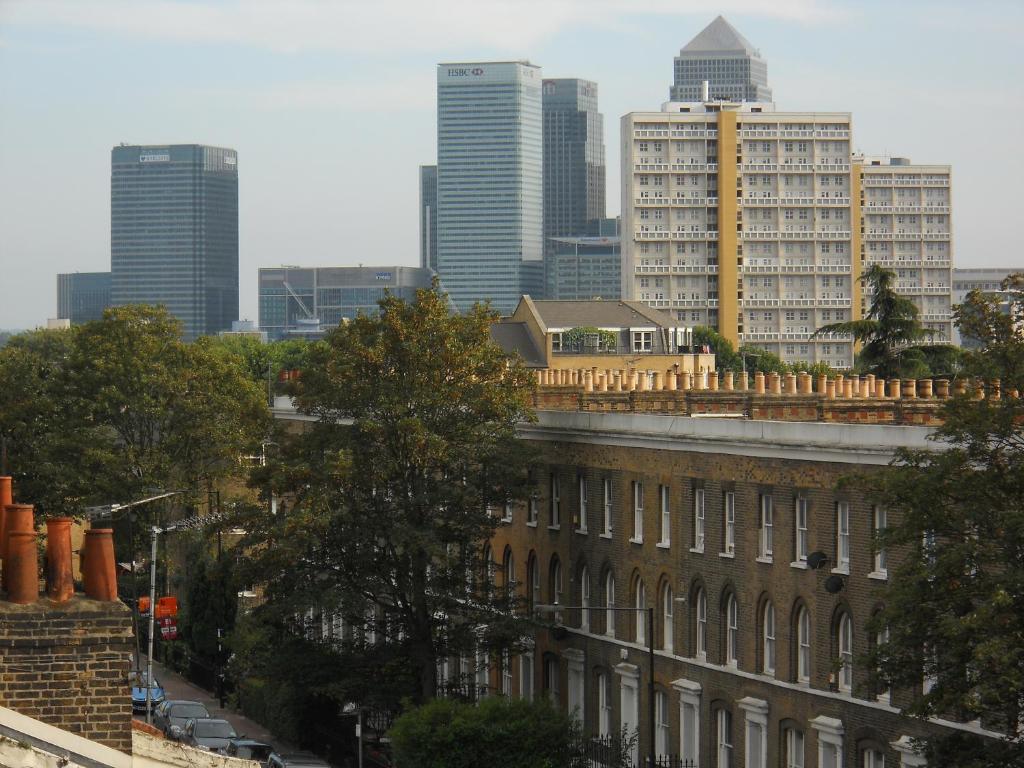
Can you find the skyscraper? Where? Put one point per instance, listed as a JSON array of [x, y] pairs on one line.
[[489, 182], [574, 169], [428, 217], [732, 66], [174, 232], [82, 296]]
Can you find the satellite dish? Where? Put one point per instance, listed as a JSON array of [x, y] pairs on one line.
[[816, 560], [834, 584]]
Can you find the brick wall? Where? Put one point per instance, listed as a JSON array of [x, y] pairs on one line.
[[67, 665]]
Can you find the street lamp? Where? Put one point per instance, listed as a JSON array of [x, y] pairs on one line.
[[555, 608]]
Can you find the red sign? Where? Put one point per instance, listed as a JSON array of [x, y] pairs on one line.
[[168, 628], [166, 606]]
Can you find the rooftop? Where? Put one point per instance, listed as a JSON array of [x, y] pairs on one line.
[[601, 314], [720, 37]]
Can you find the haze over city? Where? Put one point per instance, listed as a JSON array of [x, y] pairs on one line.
[[331, 108]]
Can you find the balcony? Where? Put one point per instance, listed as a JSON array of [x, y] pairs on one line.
[[683, 303], [652, 201], [650, 133], [646, 269], [840, 134], [754, 303], [796, 134], [695, 269], [759, 201], [832, 167], [787, 301], [750, 234], [650, 235], [759, 168], [693, 133], [833, 302], [694, 167], [773, 336], [710, 235], [758, 133], [833, 201], [651, 167], [695, 202], [833, 235]]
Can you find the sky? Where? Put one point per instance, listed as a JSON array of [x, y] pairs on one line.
[[331, 107]]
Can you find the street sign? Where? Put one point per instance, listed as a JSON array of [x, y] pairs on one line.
[[168, 628]]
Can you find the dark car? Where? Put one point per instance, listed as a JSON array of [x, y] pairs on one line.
[[137, 680], [295, 760], [249, 749], [207, 733], [176, 712]]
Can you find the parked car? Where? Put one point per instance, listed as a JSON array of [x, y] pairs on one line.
[[176, 712], [138, 679], [295, 760], [206, 733], [249, 749]]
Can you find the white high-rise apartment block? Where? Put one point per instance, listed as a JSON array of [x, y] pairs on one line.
[[745, 219], [907, 228]]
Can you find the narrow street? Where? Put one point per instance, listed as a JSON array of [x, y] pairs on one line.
[[177, 687]]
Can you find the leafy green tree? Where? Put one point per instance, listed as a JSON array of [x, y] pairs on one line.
[[576, 337], [497, 731], [393, 492], [890, 328], [954, 604]]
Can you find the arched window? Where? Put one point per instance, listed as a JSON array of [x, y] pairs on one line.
[[640, 603], [489, 565], [510, 571], [667, 626], [604, 706], [845, 643], [533, 576], [609, 602], [768, 633], [803, 645], [702, 624], [732, 631], [556, 587], [585, 599]]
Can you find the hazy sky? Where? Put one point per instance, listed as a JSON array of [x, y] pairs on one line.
[[331, 106]]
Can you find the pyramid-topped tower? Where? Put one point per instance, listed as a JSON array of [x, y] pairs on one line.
[[732, 66]]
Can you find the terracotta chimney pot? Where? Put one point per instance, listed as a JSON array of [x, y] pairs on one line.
[[869, 386], [759, 383], [774, 383], [98, 570], [23, 567], [671, 380], [685, 380], [18, 518], [6, 499], [830, 389], [713, 381], [60, 583], [727, 381]]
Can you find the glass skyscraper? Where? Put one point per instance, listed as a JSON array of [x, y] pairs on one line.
[[574, 167], [428, 217], [732, 66], [174, 232], [82, 296], [489, 182]]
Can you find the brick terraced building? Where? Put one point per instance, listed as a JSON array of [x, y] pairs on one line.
[[676, 498]]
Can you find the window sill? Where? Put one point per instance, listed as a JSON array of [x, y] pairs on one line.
[[635, 540], [664, 545], [606, 535], [531, 525], [799, 564], [841, 571], [879, 575], [763, 559], [697, 551], [582, 531], [730, 555], [554, 527]]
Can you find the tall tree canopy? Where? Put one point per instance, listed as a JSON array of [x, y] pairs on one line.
[[954, 607], [393, 493]]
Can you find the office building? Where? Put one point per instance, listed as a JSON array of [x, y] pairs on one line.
[[306, 302], [174, 232], [984, 279], [574, 164], [489, 182], [722, 57], [906, 227], [82, 296], [428, 217], [585, 266]]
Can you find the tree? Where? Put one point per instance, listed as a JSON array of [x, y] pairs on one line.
[[954, 607], [393, 493], [891, 326]]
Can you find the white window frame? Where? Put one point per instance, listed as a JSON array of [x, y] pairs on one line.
[[585, 599], [767, 532], [729, 510], [638, 512], [604, 705], [667, 618], [698, 520], [664, 493], [577, 701], [882, 638], [482, 676], [830, 741], [845, 643], [689, 720], [552, 676], [555, 512], [506, 674], [842, 537], [800, 543], [532, 510], [795, 747], [609, 603], [755, 716], [556, 588], [881, 521], [607, 507], [768, 634], [803, 645], [535, 587], [581, 484], [723, 737], [702, 624], [732, 631], [661, 730], [873, 758], [640, 603]]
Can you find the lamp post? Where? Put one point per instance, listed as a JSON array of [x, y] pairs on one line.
[[652, 751]]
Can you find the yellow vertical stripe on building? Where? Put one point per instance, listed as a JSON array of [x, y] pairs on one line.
[[856, 257], [728, 269]]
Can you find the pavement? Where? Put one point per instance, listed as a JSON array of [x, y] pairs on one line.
[[177, 687]]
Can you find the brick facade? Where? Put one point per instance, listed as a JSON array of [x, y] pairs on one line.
[[745, 575], [67, 665]]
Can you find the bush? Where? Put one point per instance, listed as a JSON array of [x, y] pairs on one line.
[[513, 734]]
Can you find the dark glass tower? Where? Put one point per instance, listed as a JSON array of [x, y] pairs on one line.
[[82, 296], [428, 217], [574, 167], [174, 232]]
